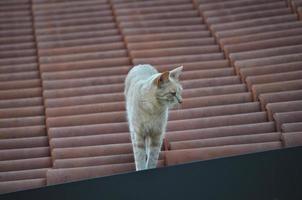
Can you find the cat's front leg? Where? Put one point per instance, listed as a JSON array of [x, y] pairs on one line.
[[153, 147], [139, 151]]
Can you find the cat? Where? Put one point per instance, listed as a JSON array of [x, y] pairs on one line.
[[149, 94]]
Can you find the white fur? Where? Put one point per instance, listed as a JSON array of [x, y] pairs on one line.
[[147, 115]]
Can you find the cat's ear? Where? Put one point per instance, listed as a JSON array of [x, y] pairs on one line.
[[162, 78], [175, 73]]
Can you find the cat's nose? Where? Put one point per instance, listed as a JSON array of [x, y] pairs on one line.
[[179, 99]]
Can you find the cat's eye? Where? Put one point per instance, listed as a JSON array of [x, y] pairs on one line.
[[173, 93]]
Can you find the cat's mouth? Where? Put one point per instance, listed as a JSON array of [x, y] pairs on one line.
[[178, 99], [173, 100]]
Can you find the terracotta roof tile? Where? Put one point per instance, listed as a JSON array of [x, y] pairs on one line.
[[222, 131], [25, 152], [56, 176], [283, 107], [262, 43], [63, 63], [292, 139], [16, 185], [23, 174], [287, 117], [283, 96], [205, 153], [291, 127], [222, 141]]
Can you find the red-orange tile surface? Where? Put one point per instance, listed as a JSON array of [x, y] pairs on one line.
[[62, 71], [24, 147]]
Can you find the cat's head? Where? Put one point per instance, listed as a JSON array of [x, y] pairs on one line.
[[168, 88]]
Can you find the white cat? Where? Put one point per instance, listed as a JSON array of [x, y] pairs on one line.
[[149, 94]]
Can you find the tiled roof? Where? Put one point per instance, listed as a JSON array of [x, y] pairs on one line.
[[63, 63]]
